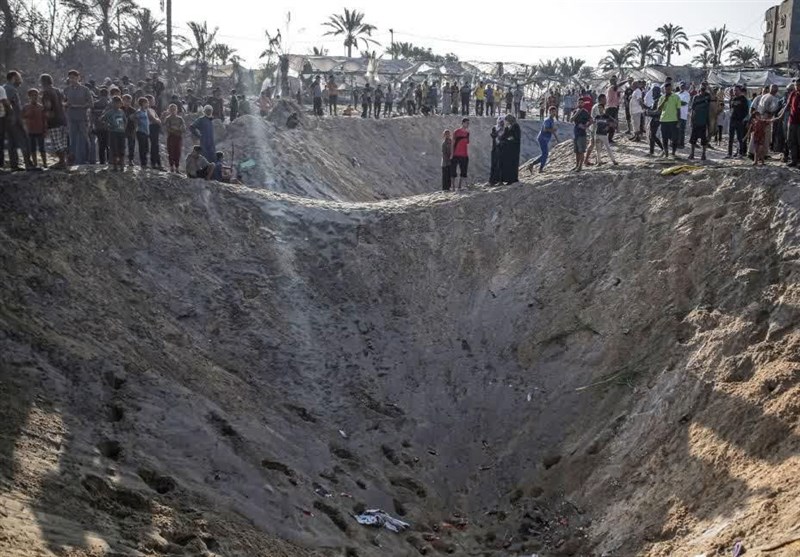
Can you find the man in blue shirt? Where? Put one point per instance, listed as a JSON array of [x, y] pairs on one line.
[[547, 133]]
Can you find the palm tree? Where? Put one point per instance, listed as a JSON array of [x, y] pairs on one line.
[[548, 68], [319, 51], [570, 67], [142, 37], [716, 42], [617, 59], [703, 59], [746, 56], [106, 14], [645, 48], [351, 25], [222, 53], [673, 40], [201, 48]]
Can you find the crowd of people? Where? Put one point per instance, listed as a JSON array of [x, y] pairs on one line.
[[90, 123], [425, 98], [87, 123], [764, 124]]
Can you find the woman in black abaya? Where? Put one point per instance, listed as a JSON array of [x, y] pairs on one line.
[[509, 151], [497, 137]]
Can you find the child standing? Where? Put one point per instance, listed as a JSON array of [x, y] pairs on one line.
[[130, 129], [758, 135], [35, 121], [155, 135], [142, 119], [176, 127], [447, 157], [116, 122]]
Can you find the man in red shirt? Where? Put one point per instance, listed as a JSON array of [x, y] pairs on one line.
[[460, 158], [586, 101], [793, 106]]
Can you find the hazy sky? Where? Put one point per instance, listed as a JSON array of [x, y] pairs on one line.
[[506, 30]]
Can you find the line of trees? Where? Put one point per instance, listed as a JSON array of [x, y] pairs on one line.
[[713, 46], [131, 36]]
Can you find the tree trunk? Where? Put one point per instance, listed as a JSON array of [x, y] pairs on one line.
[[170, 75], [203, 77], [284, 66], [669, 56], [7, 40]]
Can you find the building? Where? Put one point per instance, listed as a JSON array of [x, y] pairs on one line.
[[782, 36]]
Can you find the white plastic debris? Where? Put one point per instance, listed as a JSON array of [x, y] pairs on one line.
[[529, 397], [342, 433], [378, 518]]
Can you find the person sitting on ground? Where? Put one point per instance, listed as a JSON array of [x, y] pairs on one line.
[[293, 120], [197, 166], [548, 132], [447, 159]]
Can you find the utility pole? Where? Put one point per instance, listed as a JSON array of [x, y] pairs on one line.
[[170, 76], [394, 54]]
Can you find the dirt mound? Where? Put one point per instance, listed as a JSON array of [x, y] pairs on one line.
[[566, 367], [353, 159], [284, 108]]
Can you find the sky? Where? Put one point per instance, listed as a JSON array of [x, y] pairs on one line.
[[490, 31]]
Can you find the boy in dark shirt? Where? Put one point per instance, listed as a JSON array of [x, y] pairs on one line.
[[35, 121]]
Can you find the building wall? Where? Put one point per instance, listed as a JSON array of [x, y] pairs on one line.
[[782, 36]]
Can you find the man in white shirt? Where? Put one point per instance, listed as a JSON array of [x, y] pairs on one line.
[[686, 99], [769, 106], [637, 110]]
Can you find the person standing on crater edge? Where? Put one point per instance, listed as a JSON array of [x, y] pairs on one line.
[[460, 159]]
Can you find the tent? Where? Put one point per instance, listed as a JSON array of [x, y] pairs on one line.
[[748, 78]]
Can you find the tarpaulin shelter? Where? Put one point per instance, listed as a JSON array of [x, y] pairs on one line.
[[748, 78]]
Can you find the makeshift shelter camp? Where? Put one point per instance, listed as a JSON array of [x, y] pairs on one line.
[[748, 78]]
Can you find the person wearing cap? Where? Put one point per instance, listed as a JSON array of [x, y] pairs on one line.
[[78, 100], [686, 99], [669, 106], [203, 129]]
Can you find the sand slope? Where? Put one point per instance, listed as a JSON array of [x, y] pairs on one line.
[[571, 366]]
